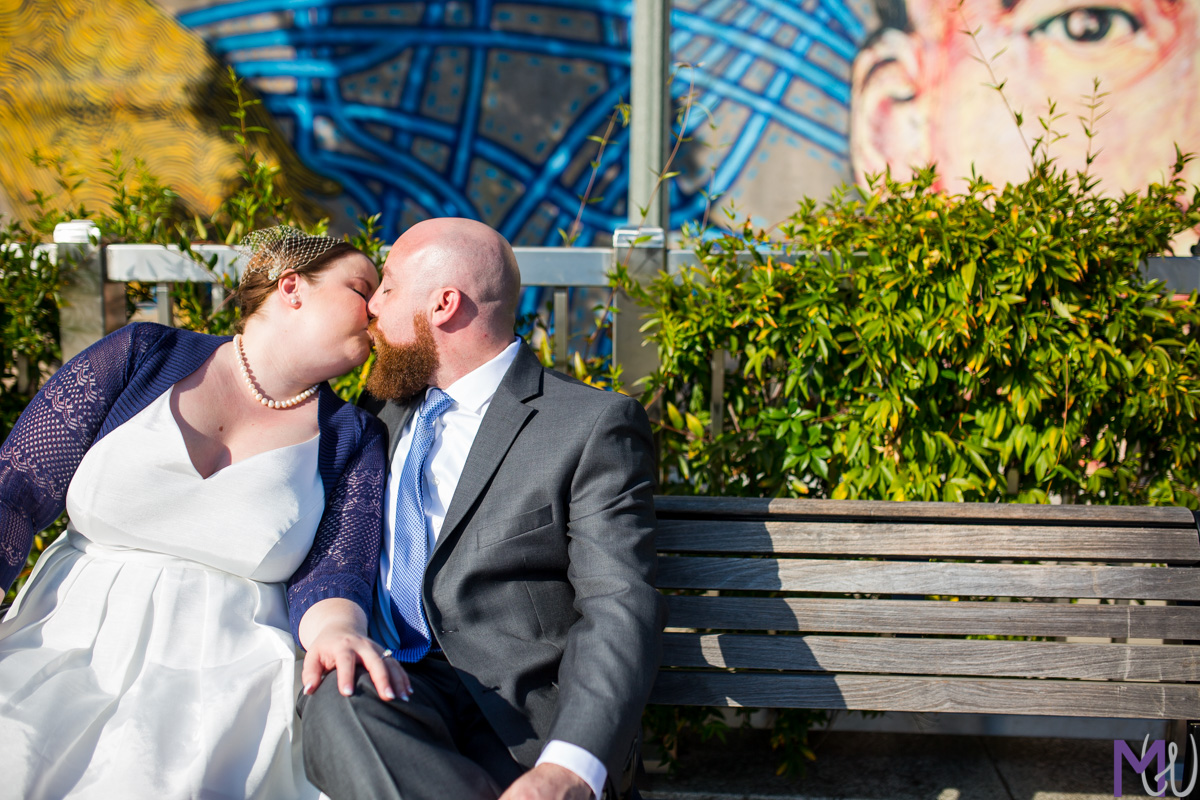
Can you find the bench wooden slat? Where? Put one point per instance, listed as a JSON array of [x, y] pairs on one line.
[[905, 693], [888, 577], [1143, 544], [748, 507], [833, 615], [1171, 663]]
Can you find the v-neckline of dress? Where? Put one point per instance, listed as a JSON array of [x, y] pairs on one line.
[[188, 453]]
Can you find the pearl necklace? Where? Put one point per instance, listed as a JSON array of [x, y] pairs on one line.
[[254, 390]]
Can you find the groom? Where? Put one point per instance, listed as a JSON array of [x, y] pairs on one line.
[[516, 575]]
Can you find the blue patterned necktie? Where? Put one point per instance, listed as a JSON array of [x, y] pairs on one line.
[[410, 550]]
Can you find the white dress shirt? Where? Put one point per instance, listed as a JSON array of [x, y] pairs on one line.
[[454, 433]]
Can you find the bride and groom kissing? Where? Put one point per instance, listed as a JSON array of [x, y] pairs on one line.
[[466, 557]]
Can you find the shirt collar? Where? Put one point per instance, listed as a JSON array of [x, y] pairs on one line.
[[475, 389]]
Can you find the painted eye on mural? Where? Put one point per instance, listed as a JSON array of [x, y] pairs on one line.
[[1090, 25]]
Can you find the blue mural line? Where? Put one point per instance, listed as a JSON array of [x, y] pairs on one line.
[[420, 126], [418, 67], [853, 25], [803, 21], [746, 141], [732, 165], [408, 178], [593, 213], [407, 37], [506, 160], [588, 121], [469, 119], [247, 8], [312, 67], [313, 157], [805, 127], [389, 215], [429, 183], [751, 136], [442, 132], [751, 132], [373, 171], [612, 38], [831, 85], [452, 201]]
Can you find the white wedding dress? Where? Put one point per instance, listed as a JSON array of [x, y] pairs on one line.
[[150, 654]]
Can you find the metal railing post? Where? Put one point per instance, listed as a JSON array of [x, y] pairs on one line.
[[81, 316], [650, 112], [562, 327], [164, 314], [716, 402], [644, 253]]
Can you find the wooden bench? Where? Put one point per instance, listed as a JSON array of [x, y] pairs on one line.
[[868, 605]]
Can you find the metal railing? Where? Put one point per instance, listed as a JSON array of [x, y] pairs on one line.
[[94, 284], [557, 269], [94, 294]]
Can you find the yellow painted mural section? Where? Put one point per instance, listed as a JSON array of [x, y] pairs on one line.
[[82, 78]]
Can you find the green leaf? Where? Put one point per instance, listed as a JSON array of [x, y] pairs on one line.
[[675, 418], [1060, 308], [968, 275]]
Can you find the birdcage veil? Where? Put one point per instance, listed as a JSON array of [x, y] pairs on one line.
[[273, 250]]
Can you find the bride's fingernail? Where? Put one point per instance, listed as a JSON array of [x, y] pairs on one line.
[[347, 690], [389, 694], [308, 688]]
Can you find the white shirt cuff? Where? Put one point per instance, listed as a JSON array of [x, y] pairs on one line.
[[580, 761]]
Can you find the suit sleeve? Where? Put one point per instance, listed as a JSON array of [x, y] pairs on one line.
[[613, 650]]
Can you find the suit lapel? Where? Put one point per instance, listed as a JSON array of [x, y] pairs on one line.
[[505, 418], [395, 416]]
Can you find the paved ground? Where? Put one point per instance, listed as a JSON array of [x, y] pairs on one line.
[[878, 766]]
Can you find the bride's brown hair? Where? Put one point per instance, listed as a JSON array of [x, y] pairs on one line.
[[257, 286]]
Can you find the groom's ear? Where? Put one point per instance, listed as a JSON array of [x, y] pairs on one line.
[[448, 301]]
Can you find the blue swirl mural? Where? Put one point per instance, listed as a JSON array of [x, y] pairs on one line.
[[484, 109]]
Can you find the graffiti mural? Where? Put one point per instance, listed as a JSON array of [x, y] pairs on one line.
[[485, 109], [921, 96]]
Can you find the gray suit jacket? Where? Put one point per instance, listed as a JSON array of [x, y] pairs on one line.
[[540, 590]]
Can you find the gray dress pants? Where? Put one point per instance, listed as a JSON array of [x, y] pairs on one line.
[[436, 746]]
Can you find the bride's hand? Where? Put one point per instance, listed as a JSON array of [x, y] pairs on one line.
[[332, 632]]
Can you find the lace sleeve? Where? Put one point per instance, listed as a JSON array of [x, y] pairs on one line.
[[344, 559], [44, 448]]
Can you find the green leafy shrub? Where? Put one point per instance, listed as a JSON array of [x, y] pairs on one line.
[[915, 345], [907, 344]]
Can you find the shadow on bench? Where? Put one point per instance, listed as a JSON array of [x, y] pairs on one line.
[[1080, 611]]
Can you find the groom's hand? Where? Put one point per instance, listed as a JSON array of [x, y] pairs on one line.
[[548, 782]]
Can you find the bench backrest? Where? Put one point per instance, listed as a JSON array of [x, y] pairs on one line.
[[871, 605]]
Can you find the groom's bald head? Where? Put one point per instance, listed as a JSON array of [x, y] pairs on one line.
[[468, 256], [453, 283]]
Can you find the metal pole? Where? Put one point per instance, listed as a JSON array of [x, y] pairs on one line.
[[643, 252], [81, 317], [650, 113], [562, 328]]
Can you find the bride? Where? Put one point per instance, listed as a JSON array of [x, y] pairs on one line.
[[214, 488]]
